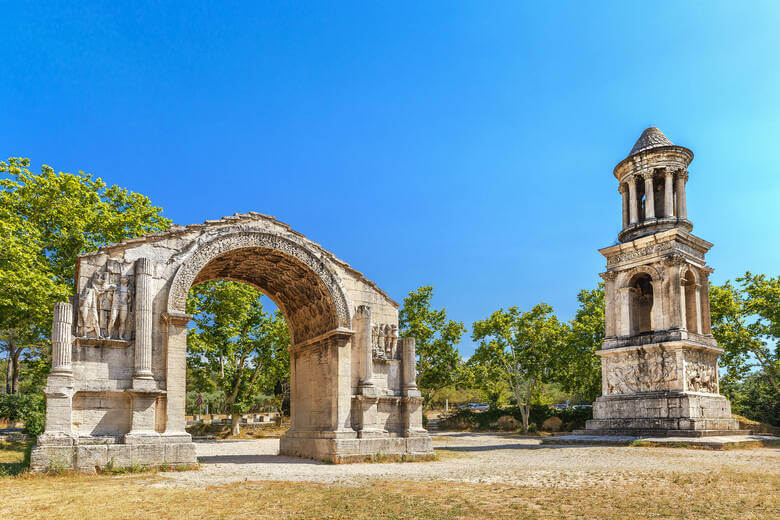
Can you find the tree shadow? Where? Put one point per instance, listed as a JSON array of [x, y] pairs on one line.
[[14, 458], [257, 459], [494, 447]]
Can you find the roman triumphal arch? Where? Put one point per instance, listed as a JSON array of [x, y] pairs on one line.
[[116, 391]]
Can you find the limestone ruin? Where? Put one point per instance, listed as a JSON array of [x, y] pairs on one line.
[[659, 360], [116, 391]]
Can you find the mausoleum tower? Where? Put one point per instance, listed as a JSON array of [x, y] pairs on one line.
[[659, 358]]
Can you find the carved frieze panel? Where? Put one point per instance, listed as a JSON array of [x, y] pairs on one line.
[[384, 341], [640, 371], [106, 303], [652, 249]]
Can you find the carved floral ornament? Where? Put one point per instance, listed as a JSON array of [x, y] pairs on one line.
[[189, 269], [655, 248]]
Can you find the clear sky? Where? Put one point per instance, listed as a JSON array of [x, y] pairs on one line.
[[465, 145]]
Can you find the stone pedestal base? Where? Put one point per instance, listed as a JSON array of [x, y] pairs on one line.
[[347, 447], [94, 457], [662, 413]]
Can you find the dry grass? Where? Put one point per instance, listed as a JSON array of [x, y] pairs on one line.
[[664, 495], [712, 496]]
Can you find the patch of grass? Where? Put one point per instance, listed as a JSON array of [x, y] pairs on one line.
[[713, 495]]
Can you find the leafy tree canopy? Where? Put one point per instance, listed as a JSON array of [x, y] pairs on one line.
[[46, 220], [520, 348], [436, 338], [746, 323]]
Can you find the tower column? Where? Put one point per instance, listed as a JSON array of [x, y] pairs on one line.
[[649, 195], [682, 206], [624, 194], [633, 208], [668, 192]]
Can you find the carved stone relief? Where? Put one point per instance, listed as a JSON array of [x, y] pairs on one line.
[[640, 371], [106, 303], [384, 341], [701, 371]]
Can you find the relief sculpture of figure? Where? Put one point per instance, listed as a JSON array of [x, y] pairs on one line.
[[89, 305], [392, 341], [121, 303]]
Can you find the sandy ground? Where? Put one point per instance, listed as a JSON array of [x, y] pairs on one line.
[[475, 458]]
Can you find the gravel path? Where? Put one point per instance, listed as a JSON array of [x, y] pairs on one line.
[[473, 458]]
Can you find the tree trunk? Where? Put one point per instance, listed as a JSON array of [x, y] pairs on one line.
[[235, 424], [525, 412], [15, 378], [9, 374]]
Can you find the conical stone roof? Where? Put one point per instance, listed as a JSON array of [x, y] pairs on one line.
[[650, 138]]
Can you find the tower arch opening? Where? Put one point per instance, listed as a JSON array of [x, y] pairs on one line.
[[641, 304]]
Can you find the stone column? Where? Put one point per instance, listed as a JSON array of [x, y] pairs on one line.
[[610, 330], [697, 293], [61, 337], [682, 207], [624, 192], [649, 195], [362, 324], [657, 311], [633, 203], [668, 193], [143, 318], [624, 303], [409, 367], [706, 318]]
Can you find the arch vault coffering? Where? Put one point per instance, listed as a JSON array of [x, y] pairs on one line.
[[305, 287], [116, 393]]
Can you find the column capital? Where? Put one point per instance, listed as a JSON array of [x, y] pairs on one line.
[[622, 188], [682, 174], [648, 175], [608, 275], [668, 172]]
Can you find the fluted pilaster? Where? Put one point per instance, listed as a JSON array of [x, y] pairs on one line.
[[143, 318], [409, 361], [61, 339]]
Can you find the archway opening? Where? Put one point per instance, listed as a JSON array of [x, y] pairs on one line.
[[238, 362], [307, 294], [690, 289], [641, 304]]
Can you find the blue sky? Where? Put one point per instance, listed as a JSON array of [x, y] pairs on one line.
[[465, 145]]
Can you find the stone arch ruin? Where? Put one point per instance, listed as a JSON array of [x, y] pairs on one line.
[[116, 392]]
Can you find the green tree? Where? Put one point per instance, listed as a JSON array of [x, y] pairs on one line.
[[435, 340], [521, 349], [244, 346], [579, 368], [46, 220], [746, 323]]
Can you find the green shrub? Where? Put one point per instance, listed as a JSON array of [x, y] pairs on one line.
[[27, 408]]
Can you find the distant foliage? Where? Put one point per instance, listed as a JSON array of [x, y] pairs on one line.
[[470, 420]]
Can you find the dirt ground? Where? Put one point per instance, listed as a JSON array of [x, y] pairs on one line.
[[476, 458]]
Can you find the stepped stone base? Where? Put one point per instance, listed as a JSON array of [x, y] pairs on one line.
[[313, 445], [85, 455], [685, 414]]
